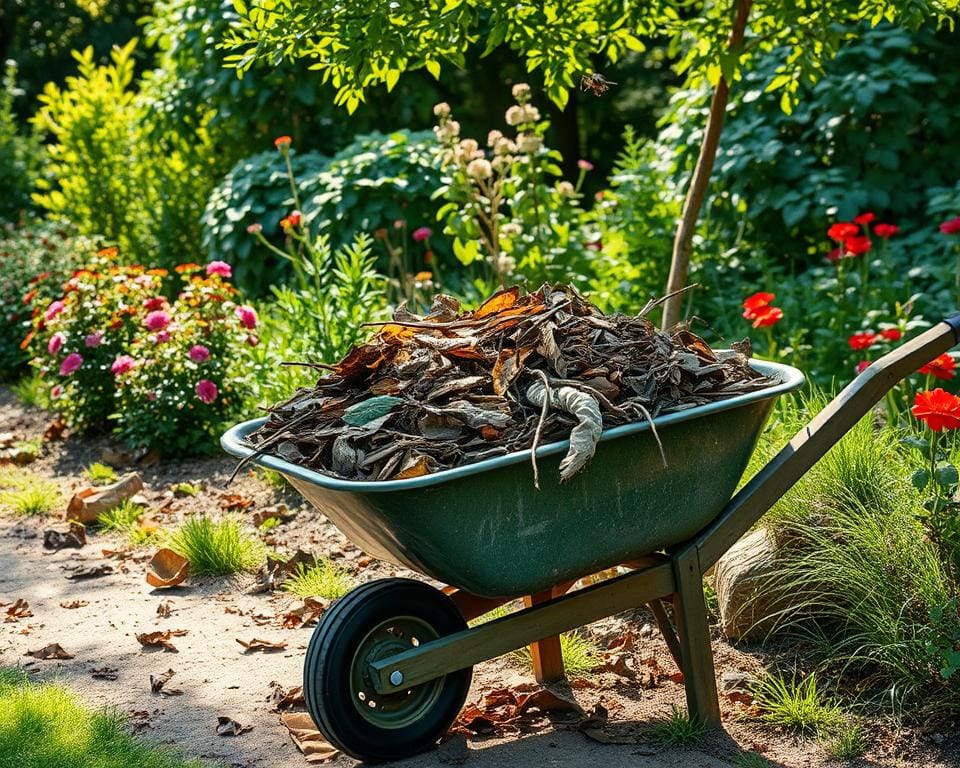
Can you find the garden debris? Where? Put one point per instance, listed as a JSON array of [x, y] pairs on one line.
[[94, 572], [73, 536], [18, 451], [451, 388], [509, 709], [305, 615], [74, 604], [161, 639], [167, 569], [234, 502], [157, 684], [273, 512], [56, 430], [227, 726], [104, 673], [267, 646], [52, 651], [276, 571], [164, 609], [308, 739], [19, 609], [88, 504], [281, 698]]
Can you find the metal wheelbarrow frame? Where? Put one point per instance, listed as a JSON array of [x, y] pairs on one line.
[[408, 649]]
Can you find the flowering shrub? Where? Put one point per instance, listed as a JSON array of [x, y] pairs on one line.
[[114, 347]]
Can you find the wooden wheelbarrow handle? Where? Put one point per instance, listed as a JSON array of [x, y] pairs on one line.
[[815, 439]]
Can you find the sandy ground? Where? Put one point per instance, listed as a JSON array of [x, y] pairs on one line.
[[217, 678]]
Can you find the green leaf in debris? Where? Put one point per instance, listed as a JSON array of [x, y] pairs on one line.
[[360, 413], [920, 478], [947, 475], [915, 442]]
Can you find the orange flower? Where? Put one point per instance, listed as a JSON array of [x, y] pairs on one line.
[[938, 409], [282, 142], [943, 367], [290, 221], [189, 267], [108, 253], [767, 316]]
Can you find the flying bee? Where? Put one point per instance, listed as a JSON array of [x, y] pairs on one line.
[[595, 83]]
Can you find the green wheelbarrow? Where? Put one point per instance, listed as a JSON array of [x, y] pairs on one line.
[[389, 665]]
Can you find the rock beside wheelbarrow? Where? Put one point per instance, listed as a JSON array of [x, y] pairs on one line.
[[747, 597]]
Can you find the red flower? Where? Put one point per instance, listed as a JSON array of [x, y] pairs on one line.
[[865, 218], [421, 233], [835, 255], [891, 334], [939, 409], [758, 300], [943, 367], [290, 221], [282, 142], [767, 316], [862, 340], [857, 246], [886, 230], [862, 366], [951, 227], [842, 231]]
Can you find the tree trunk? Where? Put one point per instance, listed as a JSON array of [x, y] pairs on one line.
[[699, 182]]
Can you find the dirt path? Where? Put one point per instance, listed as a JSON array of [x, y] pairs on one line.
[[217, 678]]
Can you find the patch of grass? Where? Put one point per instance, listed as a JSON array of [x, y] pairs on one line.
[[325, 579], [751, 760], [848, 742], [31, 391], [100, 474], [269, 524], [678, 730], [216, 548], [186, 489], [273, 479], [24, 493], [43, 725], [797, 705], [121, 518], [28, 450]]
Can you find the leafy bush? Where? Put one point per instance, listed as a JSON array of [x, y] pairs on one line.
[[19, 153], [35, 262]]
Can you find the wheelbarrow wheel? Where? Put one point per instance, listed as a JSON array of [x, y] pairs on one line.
[[371, 622]]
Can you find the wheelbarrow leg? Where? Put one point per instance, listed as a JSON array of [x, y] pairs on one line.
[[546, 654], [696, 655]]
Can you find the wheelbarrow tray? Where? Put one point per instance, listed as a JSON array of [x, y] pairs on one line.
[[485, 529]]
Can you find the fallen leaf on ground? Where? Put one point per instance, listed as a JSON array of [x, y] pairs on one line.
[[505, 709], [308, 739], [19, 610], [275, 572], [104, 673], [234, 502], [55, 430], [280, 698], [73, 536], [276, 511], [88, 504], [74, 604], [164, 609], [52, 651], [157, 684], [91, 573], [261, 645], [619, 664], [229, 727], [161, 639], [304, 615], [167, 569]]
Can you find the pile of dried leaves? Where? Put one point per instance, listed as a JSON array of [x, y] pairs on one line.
[[452, 388]]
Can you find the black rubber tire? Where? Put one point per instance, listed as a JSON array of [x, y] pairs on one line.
[[327, 685]]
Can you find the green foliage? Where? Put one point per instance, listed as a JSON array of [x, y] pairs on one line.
[[19, 153], [679, 730], [35, 261], [216, 548], [122, 518], [581, 655], [43, 725], [848, 742], [325, 579], [942, 642], [24, 493], [751, 760], [108, 175], [797, 705], [100, 474]]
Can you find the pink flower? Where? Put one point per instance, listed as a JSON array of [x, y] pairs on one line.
[[219, 268], [71, 363], [595, 245], [55, 308], [252, 340], [94, 339], [199, 353], [152, 305], [56, 392], [207, 391], [151, 396], [255, 228], [862, 366], [56, 341], [949, 227], [157, 321], [163, 337], [421, 234], [122, 365], [584, 165], [247, 315]]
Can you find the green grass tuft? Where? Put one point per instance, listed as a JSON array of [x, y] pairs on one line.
[[43, 725], [23, 493], [325, 579], [31, 390], [186, 489], [848, 742], [100, 474], [678, 730], [799, 706], [751, 760], [216, 548]]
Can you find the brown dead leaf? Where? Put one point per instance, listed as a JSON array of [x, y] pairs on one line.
[[104, 673], [161, 639], [164, 609], [55, 430], [227, 726], [267, 646], [167, 569], [88, 504], [546, 700], [73, 536], [94, 572], [418, 468], [74, 604], [305, 615], [20, 609], [280, 698], [158, 683], [52, 651], [234, 502], [739, 697], [618, 663], [508, 366], [497, 303], [303, 731]]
